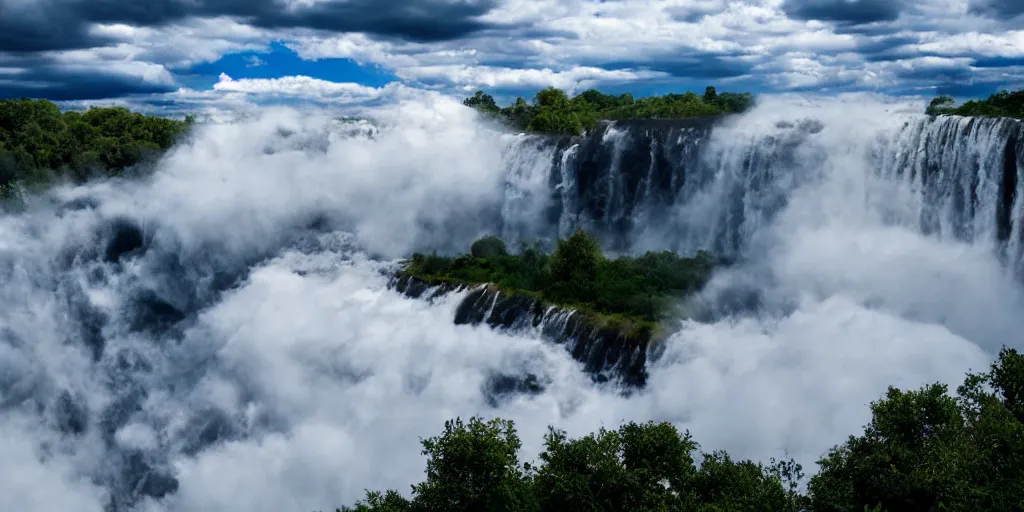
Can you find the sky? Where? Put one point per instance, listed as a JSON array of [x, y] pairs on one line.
[[229, 54]]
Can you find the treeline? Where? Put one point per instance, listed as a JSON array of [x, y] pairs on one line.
[[1000, 104], [576, 274], [39, 143], [553, 111], [923, 451]]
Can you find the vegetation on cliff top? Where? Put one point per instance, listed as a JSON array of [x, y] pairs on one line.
[[576, 274], [553, 111], [1000, 104], [39, 143], [923, 450]]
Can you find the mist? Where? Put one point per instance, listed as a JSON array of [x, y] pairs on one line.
[[220, 335]]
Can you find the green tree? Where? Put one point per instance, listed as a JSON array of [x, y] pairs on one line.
[[710, 95], [1001, 104], [724, 484], [574, 267], [482, 102], [488, 247], [39, 143], [376, 501], [940, 105], [474, 466], [925, 450], [553, 98]]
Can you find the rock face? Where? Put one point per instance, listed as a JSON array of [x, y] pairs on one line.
[[607, 353], [713, 184]]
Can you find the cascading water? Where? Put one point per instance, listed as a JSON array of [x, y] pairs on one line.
[[683, 185], [221, 335]]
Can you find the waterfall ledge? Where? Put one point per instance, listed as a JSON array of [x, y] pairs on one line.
[[609, 349]]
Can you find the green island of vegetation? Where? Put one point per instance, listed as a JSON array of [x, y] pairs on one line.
[[1001, 104], [922, 451], [40, 144], [553, 111], [629, 294]]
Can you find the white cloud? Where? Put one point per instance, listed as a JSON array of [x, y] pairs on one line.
[[589, 43], [302, 86], [1009, 44], [114, 60], [183, 44], [469, 77], [254, 61]]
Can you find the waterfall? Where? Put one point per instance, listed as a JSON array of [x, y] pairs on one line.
[[704, 184], [221, 335]]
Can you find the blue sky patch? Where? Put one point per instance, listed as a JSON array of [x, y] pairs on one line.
[[280, 61]]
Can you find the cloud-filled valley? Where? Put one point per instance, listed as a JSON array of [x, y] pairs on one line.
[[214, 312], [220, 335]]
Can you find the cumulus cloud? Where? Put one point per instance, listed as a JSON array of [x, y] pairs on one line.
[[65, 24], [518, 46], [471, 77], [300, 86]]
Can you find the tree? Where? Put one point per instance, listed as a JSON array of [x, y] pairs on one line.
[[940, 105], [380, 502], [552, 97], [488, 247], [472, 467], [710, 95], [39, 142], [482, 102], [641, 466], [574, 267], [924, 450]]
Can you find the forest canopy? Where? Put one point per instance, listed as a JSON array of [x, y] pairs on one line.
[[553, 111], [1001, 104], [39, 143]]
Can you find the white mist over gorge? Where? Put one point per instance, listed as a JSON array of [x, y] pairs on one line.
[[221, 335]]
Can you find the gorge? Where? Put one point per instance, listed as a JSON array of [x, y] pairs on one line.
[[225, 331]]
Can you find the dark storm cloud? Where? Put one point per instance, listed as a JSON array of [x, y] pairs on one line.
[[59, 86], [844, 11], [44, 78], [41, 26], [63, 24], [997, 8], [886, 48], [693, 66], [999, 62]]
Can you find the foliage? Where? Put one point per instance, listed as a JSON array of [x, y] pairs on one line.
[[1000, 104], [482, 102], [574, 267], [576, 274], [553, 111], [376, 501], [39, 143], [925, 450], [488, 247], [644, 467], [472, 467]]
